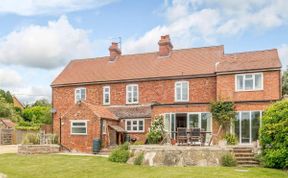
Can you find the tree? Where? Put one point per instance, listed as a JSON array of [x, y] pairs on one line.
[[41, 102], [8, 111], [7, 96], [285, 83], [274, 135], [37, 115]]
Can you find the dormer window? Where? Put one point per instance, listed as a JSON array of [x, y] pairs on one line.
[[80, 94], [182, 91], [249, 82]]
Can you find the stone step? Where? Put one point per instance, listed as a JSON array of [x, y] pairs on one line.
[[241, 162], [248, 165], [242, 151], [244, 154], [245, 158]]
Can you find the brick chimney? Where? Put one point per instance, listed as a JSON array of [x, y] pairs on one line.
[[165, 46], [115, 51]]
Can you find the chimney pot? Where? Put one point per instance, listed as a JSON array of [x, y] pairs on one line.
[[114, 51], [165, 46]]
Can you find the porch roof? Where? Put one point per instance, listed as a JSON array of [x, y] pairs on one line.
[[117, 128]]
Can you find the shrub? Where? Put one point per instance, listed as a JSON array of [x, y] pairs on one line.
[[31, 138], [156, 132], [139, 159], [274, 135], [231, 139], [228, 160], [120, 154]]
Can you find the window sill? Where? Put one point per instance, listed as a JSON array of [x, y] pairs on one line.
[[135, 132], [237, 91], [78, 134]]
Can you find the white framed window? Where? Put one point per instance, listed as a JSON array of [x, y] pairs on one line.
[[182, 91], [135, 125], [132, 94], [249, 82], [104, 126], [79, 127], [106, 95], [80, 94]]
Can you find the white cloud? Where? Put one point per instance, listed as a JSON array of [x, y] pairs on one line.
[[182, 31], [45, 46], [48, 7], [283, 54], [9, 78], [30, 94], [191, 21]]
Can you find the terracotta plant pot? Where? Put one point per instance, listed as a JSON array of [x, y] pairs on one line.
[[173, 141]]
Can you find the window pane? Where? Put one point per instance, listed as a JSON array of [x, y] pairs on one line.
[[248, 84], [129, 97], [184, 91], [206, 121], [240, 82], [78, 129], [140, 123], [245, 127], [194, 120], [134, 122], [258, 81], [128, 127], [134, 128], [249, 76], [255, 119], [167, 122], [237, 126], [79, 123], [178, 93]]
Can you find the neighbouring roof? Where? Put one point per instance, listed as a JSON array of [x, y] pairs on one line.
[[98, 110], [184, 62], [249, 60], [17, 103], [101, 111], [8, 123], [117, 128], [127, 112]]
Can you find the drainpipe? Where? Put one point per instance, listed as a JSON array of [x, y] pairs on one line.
[[60, 127]]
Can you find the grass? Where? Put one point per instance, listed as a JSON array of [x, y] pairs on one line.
[[55, 166]]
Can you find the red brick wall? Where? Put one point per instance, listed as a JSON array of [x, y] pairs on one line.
[[200, 90], [80, 143], [226, 88]]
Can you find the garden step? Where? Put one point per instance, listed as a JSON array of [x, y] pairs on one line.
[[244, 158], [248, 165], [242, 151], [244, 155], [247, 162]]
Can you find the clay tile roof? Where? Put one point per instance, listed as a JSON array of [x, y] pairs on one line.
[[127, 112], [8, 123], [117, 128], [194, 61], [101, 111], [249, 60]]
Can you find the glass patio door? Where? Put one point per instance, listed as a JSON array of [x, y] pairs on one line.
[[193, 121], [170, 124], [247, 125]]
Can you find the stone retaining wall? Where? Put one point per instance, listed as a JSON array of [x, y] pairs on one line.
[[38, 149], [158, 155]]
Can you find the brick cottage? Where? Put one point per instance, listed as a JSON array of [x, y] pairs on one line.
[[104, 97]]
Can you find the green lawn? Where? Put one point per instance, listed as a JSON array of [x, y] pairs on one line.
[[90, 166]]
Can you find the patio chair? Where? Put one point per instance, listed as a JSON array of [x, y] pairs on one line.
[[196, 136], [182, 135]]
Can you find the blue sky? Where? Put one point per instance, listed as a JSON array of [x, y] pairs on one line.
[[37, 39]]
